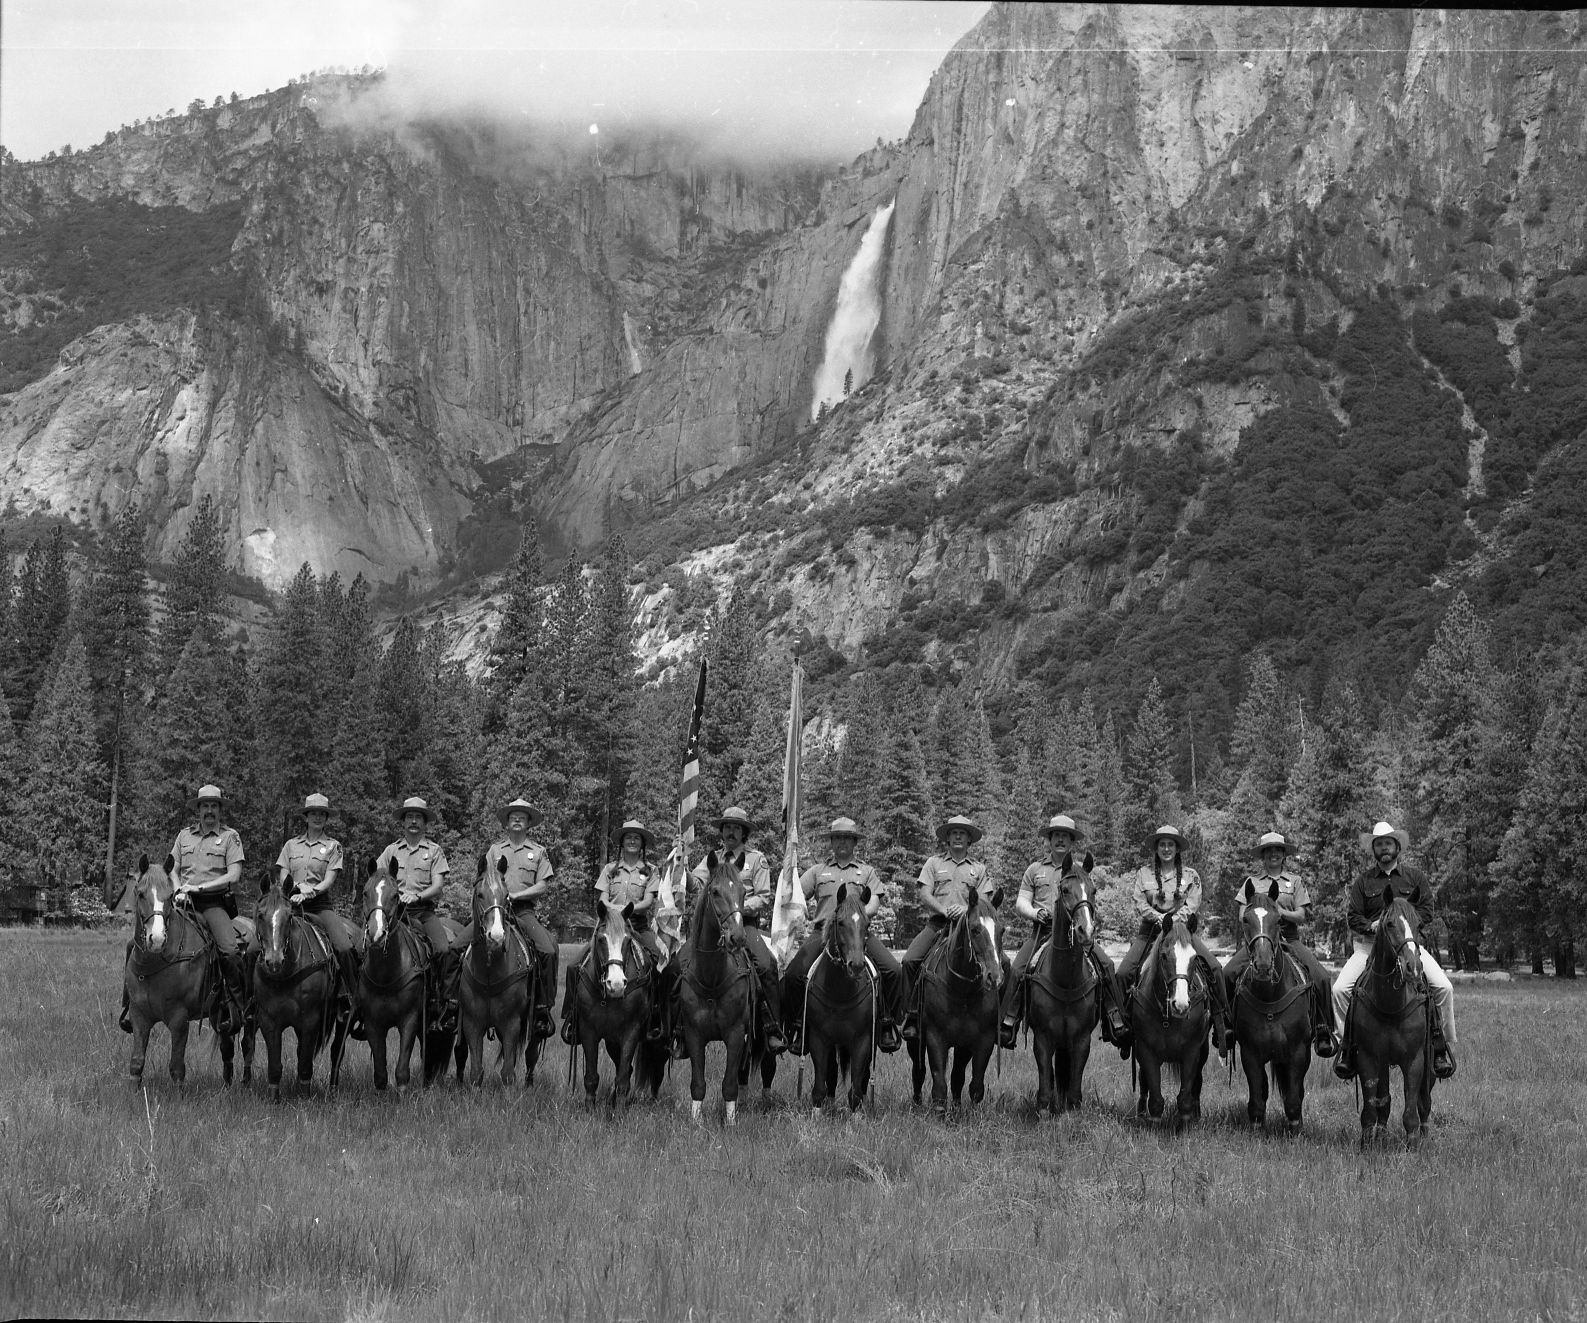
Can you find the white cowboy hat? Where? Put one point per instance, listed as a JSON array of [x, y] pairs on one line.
[[1382, 829]]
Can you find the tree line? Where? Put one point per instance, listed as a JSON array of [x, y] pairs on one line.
[[111, 702]]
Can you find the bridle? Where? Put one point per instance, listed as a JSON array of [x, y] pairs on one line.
[[729, 921], [1074, 934], [1399, 977], [832, 944]]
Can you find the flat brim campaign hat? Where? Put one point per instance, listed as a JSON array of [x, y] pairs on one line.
[[1173, 834], [646, 836], [1273, 840], [1382, 829], [519, 805], [843, 827], [737, 817], [1062, 822], [960, 821], [413, 804], [207, 794], [316, 804]]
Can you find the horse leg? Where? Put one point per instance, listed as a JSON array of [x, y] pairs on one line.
[[407, 1034], [471, 1024], [1046, 1051], [141, 1026], [961, 1063], [308, 1046], [979, 1056], [917, 1068], [1411, 1081], [228, 1051], [248, 1032], [768, 1072], [339, 1027], [179, 1026], [1373, 1076], [1255, 1086], [937, 1051], [823, 1063], [273, 1051], [1078, 1054], [736, 1047], [511, 1032], [694, 1039], [860, 1071], [1150, 1102], [622, 1084], [375, 1032]]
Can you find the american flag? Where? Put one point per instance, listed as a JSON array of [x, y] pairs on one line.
[[674, 874]]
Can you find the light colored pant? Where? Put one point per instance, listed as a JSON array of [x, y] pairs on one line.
[[1438, 985]]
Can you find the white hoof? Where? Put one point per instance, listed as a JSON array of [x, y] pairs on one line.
[[730, 1116], [815, 1113], [696, 1112]]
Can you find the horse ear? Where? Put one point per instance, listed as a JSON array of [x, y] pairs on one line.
[[865, 895], [1248, 890], [143, 864], [374, 866], [264, 887], [997, 899], [628, 911], [1192, 921], [600, 909], [170, 863], [501, 866], [711, 861], [1388, 892], [1063, 864], [479, 870], [1089, 863], [1272, 891], [391, 865], [843, 891]]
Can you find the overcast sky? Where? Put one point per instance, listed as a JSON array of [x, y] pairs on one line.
[[821, 76]]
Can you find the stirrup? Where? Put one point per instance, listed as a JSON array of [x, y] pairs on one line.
[[1443, 1061], [887, 1037], [1345, 1066], [570, 1030], [1324, 1044], [1008, 1034]]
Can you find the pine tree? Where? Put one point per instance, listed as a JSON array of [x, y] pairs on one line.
[[758, 790], [194, 590], [860, 751], [292, 753], [43, 606], [1152, 794], [738, 682], [1112, 798], [7, 615], [13, 772], [901, 837], [519, 629], [1022, 840], [263, 828], [405, 733], [615, 686], [1262, 743], [61, 817], [355, 780], [188, 737]]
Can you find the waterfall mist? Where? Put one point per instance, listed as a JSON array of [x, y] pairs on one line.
[[859, 310]]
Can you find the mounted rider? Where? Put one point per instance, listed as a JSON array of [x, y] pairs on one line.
[[1294, 905], [629, 879], [821, 882], [943, 888], [755, 902], [421, 873], [209, 859], [1386, 845], [1038, 902], [1161, 889], [529, 873], [312, 860]]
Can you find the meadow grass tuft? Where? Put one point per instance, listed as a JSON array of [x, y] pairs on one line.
[[211, 1202]]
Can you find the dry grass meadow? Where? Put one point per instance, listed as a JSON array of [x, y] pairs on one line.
[[512, 1205]]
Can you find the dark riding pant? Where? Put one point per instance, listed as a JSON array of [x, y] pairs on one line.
[[766, 972], [889, 978]]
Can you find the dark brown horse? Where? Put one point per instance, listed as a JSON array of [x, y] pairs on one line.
[[1170, 1016], [170, 972], [716, 986], [496, 986], [616, 987], [1272, 1012], [1391, 1026], [840, 993], [294, 987], [1063, 992], [958, 990], [391, 983]]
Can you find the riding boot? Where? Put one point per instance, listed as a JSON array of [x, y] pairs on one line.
[[1222, 1019], [1324, 1044], [570, 1008], [233, 998], [771, 1031], [1345, 1062], [546, 976], [911, 1026], [1443, 1056]]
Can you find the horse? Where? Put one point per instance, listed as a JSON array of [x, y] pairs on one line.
[[170, 972], [497, 987], [1272, 1013], [958, 989], [294, 985], [617, 985], [1170, 1016], [841, 994], [716, 986], [391, 983], [1390, 1024], [1063, 992]]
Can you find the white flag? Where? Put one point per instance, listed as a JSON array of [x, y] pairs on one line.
[[788, 906]]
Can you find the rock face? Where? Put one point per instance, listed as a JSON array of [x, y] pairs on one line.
[[430, 296]]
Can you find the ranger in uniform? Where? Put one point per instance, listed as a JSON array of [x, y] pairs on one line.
[[1294, 908], [209, 862], [1038, 902], [630, 879], [756, 901], [822, 881], [945, 883], [529, 873], [313, 861], [421, 873]]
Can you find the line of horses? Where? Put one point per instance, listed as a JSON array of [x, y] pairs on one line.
[[708, 991]]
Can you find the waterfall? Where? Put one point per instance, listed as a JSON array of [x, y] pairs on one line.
[[859, 310], [636, 364]]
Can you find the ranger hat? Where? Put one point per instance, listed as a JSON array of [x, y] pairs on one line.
[[959, 820], [413, 804], [207, 794], [1063, 822], [1173, 834], [843, 827], [735, 815], [646, 836], [1382, 829], [1274, 839], [316, 802], [519, 805]]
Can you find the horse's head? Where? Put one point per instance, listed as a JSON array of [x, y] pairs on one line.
[[1397, 948], [1260, 924], [1075, 897], [718, 902], [847, 927], [380, 902], [152, 898], [488, 907], [983, 930], [611, 941], [1176, 959], [270, 922]]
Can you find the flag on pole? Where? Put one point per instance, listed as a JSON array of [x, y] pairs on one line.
[[788, 906], [673, 889]]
